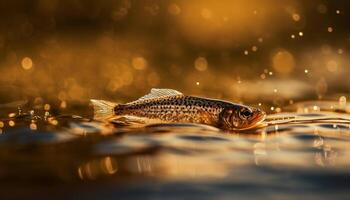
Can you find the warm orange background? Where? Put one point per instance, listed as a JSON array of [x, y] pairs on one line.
[[248, 51]]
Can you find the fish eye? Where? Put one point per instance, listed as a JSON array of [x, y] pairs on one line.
[[245, 113]]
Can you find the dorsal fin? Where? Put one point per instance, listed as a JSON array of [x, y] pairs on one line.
[[158, 93]]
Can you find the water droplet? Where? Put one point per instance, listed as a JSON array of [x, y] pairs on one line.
[[254, 48], [33, 126], [19, 110], [46, 115], [63, 104], [12, 115], [47, 107], [12, 123], [330, 29], [52, 121]]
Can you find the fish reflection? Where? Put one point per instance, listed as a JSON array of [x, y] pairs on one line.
[[98, 168], [165, 165], [325, 156], [259, 152], [169, 165]]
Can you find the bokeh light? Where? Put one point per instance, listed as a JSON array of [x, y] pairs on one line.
[[283, 62], [121, 49], [201, 64], [27, 63]]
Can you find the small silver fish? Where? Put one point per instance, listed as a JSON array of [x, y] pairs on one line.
[[167, 105]]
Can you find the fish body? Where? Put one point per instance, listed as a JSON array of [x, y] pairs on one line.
[[168, 105]]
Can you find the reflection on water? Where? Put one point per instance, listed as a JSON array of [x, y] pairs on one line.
[[303, 149]]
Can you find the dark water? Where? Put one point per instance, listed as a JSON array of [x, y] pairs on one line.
[[300, 153]]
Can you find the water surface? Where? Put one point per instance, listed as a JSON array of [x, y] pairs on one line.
[[300, 153]]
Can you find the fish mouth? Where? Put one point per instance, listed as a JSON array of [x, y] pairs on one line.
[[260, 119], [257, 121]]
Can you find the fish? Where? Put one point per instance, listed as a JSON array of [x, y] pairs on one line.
[[168, 105]]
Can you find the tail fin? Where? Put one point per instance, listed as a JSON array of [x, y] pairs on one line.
[[103, 109]]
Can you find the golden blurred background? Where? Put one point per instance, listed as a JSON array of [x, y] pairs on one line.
[[244, 51]]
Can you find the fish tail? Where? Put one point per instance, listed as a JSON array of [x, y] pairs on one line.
[[103, 109]]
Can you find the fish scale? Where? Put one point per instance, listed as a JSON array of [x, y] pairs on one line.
[[172, 106], [184, 108]]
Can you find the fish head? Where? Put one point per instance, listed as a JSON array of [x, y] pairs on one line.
[[242, 117]]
